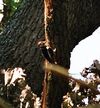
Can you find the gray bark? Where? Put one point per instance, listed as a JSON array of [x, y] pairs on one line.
[[73, 21]]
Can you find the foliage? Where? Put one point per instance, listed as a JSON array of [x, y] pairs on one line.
[[15, 90], [12, 5], [81, 95], [9, 7], [86, 93]]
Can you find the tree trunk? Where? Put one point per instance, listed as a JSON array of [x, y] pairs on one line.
[[73, 20], [18, 42]]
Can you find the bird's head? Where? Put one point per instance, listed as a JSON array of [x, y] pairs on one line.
[[41, 44]]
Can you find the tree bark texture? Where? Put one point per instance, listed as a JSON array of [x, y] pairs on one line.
[[18, 42], [73, 20]]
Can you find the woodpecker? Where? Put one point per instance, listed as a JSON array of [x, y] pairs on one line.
[[47, 52]]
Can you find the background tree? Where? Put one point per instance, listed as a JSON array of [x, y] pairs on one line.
[[72, 21], [9, 7]]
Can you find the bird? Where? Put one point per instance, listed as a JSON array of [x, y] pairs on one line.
[[47, 52]]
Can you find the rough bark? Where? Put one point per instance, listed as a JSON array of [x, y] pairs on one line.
[[18, 42], [73, 21]]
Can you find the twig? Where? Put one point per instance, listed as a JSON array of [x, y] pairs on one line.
[[64, 73]]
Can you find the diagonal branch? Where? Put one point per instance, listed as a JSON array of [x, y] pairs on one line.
[[64, 73]]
